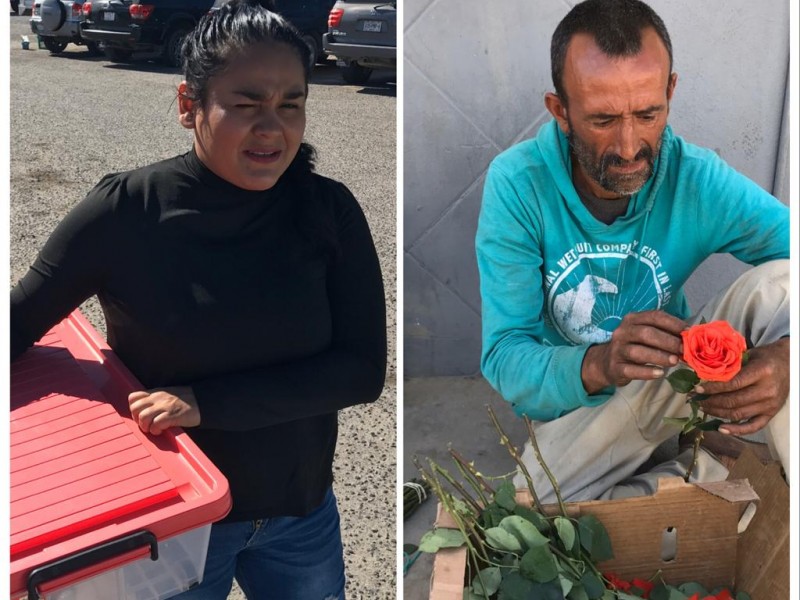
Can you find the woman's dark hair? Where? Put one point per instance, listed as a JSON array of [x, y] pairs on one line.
[[218, 38], [615, 25]]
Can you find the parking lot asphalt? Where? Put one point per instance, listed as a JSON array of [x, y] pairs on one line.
[[75, 118]]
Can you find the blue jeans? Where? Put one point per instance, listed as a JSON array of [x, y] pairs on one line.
[[285, 558]]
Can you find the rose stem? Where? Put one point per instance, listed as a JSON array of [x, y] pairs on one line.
[[505, 441], [553, 480], [695, 449], [445, 499], [474, 478]]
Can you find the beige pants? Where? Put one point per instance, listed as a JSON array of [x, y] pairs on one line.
[[595, 451]]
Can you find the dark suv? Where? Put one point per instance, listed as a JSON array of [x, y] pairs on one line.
[[310, 17], [128, 26], [362, 36]]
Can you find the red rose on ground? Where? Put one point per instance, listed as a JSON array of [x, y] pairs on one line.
[[714, 350]]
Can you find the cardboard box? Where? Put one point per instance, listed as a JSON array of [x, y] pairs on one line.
[[695, 527]]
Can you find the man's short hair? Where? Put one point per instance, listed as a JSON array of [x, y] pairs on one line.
[[615, 25]]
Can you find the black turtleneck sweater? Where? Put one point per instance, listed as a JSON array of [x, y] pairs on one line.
[[208, 285]]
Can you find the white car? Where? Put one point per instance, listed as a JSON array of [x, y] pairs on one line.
[[57, 23]]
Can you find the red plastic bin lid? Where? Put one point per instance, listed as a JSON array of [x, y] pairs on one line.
[[82, 472]]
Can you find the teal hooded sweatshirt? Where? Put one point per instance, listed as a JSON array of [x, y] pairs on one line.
[[555, 280]]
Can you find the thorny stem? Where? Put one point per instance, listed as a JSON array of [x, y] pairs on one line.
[[696, 448], [544, 466], [446, 501], [471, 473], [505, 441], [464, 494]]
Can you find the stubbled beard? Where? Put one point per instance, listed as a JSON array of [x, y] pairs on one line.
[[622, 184]]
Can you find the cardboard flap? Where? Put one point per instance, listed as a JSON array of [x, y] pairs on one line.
[[762, 568]]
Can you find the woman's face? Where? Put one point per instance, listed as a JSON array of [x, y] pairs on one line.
[[251, 125]]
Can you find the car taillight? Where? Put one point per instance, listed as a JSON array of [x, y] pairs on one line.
[[335, 17], [87, 8], [77, 9], [141, 12]]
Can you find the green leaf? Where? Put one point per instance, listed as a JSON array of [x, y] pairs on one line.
[[700, 397], [678, 421], [594, 538], [593, 585], [743, 596], [493, 515], [510, 561], [539, 521], [506, 496], [515, 587], [566, 584], [608, 595], [702, 321], [539, 564], [439, 538], [524, 531], [491, 578], [566, 531], [626, 596], [711, 425], [745, 358], [547, 591], [499, 538], [667, 592], [683, 380], [470, 595], [692, 587], [577, 593], [409, 548]]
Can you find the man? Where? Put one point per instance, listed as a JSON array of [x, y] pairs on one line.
[[586, 237]]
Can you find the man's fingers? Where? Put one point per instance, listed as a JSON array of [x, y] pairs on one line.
[[646, 355], [627, 372], [751, 426], [659, 320]]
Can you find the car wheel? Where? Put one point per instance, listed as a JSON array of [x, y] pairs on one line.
[[53, 14], [171, 54], [313, 47], [55, 46], [118, 55], [355, 73], [94, 48], [15, 6]]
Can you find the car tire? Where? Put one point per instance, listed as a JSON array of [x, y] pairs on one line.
[[53, 15], [173, 42], [355, 74], [53, 45], [94, 48], [313, 46], [118, 55], [15, 6]]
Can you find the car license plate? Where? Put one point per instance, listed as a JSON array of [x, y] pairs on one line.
[[109, 16], [372, 25]]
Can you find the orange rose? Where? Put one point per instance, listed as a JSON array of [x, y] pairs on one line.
[[714, 350]]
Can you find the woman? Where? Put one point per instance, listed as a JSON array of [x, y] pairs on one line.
[[244, 292]]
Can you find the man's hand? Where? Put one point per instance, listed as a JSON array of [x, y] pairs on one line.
[[643, 345], [160, 409], [755, 394]]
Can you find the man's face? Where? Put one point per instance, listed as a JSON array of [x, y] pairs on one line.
[[617, 110]]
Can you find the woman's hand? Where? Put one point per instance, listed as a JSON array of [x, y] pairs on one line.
[[159, 409]]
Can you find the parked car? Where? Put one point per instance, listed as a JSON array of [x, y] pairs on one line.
[[310, 17], [22, 7], [128, 26], [362, 36], [57, 22]]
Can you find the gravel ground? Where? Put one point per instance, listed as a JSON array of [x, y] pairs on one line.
[[75, 118]]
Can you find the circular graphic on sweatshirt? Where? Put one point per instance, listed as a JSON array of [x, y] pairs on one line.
[[587, 301]]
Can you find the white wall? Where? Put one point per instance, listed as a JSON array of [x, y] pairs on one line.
[[475, 75]]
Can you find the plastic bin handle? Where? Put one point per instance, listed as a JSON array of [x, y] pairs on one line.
[[90, 556]]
